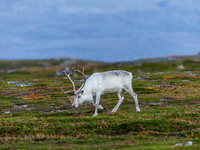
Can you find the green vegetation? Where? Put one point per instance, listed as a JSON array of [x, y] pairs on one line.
[[35, 114]]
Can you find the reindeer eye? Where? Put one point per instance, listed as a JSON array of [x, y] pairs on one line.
[[79, 96]]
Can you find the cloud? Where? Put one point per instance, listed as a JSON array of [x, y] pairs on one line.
[[104, 30]]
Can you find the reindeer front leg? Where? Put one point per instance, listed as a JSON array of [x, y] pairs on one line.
[[99, 107], [98, 96], [92, 103]]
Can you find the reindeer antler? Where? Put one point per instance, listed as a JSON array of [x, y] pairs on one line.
[[84, 79], [74, 90]]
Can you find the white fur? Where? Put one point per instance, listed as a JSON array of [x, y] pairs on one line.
[[102, 83]]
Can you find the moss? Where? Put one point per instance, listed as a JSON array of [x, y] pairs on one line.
[[144, 90]]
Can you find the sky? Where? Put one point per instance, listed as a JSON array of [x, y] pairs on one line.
[[98, 30]]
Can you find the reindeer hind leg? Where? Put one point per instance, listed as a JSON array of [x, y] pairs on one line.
[[134, 95], [121, 98]]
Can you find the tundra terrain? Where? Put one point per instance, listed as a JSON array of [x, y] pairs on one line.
[[35, 114]]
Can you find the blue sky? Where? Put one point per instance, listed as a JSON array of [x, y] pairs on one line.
[[103, 30]]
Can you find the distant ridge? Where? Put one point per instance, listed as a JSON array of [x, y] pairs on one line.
[[62, 62], [167, 58]]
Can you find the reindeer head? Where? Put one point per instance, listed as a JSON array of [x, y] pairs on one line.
[[78, 94], [77, 99]]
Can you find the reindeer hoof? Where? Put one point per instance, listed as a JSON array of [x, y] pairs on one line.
[[113, 111], [95, 115], [100, 107]]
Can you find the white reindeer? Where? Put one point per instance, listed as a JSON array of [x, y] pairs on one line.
[[103, 83]]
